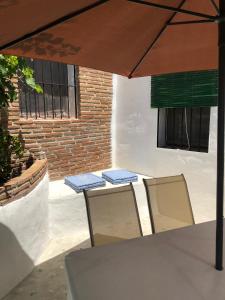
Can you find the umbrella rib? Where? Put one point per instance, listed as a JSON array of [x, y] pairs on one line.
[[215, 6], [155, 40], [53, 24], [178, 10], [191, 22]]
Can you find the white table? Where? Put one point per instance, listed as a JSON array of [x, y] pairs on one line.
[[174, 265]]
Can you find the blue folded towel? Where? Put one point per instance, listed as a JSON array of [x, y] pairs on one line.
[[119, 176], [84, 182]]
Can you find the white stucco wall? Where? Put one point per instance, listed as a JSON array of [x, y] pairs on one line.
[[135, 146], [23, 235], [67, 212]]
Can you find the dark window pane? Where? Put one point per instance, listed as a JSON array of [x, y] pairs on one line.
[[59, 98], [170, 126], [195, 127], [184, 128]]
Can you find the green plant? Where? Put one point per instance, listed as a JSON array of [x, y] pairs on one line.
[[9, 145], [14, 67]]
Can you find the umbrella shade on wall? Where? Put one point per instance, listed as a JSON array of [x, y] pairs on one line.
[[128, 37], [118, 36]]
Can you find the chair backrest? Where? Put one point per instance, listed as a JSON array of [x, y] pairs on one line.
[[112, 215], [169, 203]]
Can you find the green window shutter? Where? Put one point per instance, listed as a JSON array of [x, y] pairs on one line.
[[198, 88]]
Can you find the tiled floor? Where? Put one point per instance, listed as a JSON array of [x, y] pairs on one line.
[[69, 231]]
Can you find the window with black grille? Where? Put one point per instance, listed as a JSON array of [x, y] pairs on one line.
[[184, 128], [60, 97]]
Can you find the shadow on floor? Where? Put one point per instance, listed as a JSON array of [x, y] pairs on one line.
[[15, 263], [47, 281]]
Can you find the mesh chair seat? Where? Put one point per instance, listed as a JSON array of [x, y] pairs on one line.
[[168, 202], [166, 223], [101, 239], [112, 215]]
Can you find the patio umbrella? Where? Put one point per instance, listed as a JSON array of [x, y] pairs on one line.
[[128, 37]]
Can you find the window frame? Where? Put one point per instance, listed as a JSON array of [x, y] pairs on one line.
[[67, 94], [162, 141]]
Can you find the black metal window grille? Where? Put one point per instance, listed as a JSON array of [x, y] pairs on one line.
[[184, 128], [60, 98]]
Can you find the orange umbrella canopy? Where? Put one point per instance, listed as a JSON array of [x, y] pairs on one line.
[[118, 36]]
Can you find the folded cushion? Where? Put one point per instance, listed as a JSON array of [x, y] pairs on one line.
[[119, 176], [84, 182]]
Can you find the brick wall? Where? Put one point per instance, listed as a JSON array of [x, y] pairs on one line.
[[21, 185], [73, 146]]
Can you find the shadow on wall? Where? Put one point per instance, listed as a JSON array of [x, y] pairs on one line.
[[47, 281], [14, 262], [4, 117]]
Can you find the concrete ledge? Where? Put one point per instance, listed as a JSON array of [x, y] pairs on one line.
[[22, 185]]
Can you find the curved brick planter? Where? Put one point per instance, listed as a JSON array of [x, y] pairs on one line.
[[20, 186]]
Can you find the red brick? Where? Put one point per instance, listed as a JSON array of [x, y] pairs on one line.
[[73, 145]]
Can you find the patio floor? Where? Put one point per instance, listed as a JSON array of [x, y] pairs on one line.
[[69, 231]]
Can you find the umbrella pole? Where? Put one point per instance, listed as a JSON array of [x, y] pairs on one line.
[[220, 141]]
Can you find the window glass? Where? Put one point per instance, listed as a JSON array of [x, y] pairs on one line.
[[60, 98], [184, 128]]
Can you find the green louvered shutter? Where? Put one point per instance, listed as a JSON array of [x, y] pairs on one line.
[[198, 88]]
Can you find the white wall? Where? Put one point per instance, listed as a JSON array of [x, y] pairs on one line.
[[23, 235], [135, 147], [67, 212]]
